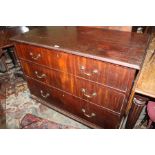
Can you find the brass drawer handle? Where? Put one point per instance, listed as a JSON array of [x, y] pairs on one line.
[[95, 71], [87, 95], [44, 96], [40, 76], [35, 58], [89, 116]]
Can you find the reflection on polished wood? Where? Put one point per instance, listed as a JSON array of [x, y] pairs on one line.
[[123, 48], [85, 73]]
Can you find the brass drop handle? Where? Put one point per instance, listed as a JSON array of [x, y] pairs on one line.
[[40, 76], [95, 71], [87, 95], [89, 116], [35, 58], [44, 96]]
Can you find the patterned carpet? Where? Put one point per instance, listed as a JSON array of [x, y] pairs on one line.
[[18, 104], [30, 121]]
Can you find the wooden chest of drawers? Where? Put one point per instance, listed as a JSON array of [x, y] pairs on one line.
[[85, 74]]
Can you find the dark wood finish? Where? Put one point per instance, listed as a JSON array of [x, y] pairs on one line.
[[107, 74], [66, 113], [48, 94], [123, 48], [74, 105], [89, 71], [106, 97], [138, 103], [114, 76]]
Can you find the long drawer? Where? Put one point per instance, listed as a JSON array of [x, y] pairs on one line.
[[105, 97], [74, 105], [105, 73]]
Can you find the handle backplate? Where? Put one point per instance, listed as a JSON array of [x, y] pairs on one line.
[[87, 115], [40, 76], [35, 57], [44, 95], [84, 91]]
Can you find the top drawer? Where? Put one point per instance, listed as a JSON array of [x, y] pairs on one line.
[[49, 58], [108, 74]]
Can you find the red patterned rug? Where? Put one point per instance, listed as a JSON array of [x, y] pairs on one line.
[[30, 121]]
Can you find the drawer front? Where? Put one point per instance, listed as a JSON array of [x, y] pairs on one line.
[[56, 97], [115, 76], [37, 72], [45, 93], [90, 112], [31, 53], [53, 78], [74, 105], [103, 96], [49, 58]]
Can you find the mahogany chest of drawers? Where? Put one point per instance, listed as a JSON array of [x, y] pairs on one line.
[[84, 73]]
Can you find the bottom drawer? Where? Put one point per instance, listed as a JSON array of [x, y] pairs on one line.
[[45, 93], [91, 112], [74, 105], [100, 116]]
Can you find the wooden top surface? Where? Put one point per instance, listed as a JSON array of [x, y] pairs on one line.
[[146, 81], [122, 48]]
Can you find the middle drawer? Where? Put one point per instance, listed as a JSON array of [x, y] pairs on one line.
[[98, 94]]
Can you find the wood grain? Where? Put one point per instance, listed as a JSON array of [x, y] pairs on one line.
[[108, 74], [138, 103], [110, 99], [88, 72], [123, 48], [75, 105]]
